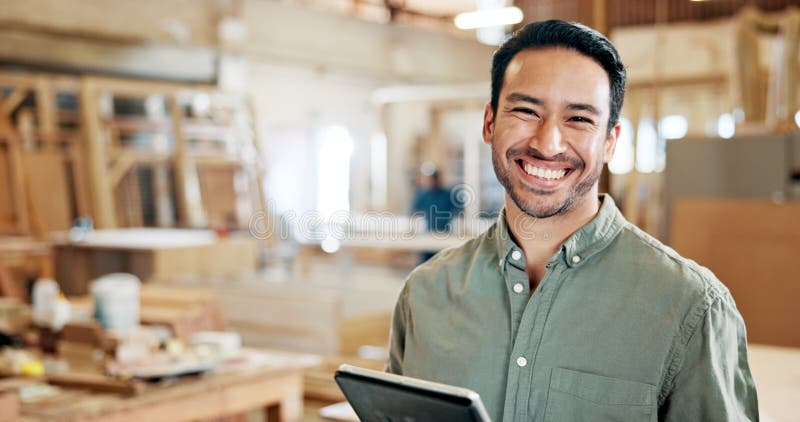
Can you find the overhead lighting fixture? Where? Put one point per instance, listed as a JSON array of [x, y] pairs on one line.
[[488, 18]]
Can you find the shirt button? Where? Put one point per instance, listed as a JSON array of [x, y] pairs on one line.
[[521, 361], [576, 259], [500, 263], [518, 288], [516, 255]]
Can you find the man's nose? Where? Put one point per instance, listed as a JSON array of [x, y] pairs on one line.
[[548, 139]]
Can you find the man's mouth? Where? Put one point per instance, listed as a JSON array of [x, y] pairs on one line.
[[542, 172]]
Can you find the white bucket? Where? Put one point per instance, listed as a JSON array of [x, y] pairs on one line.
[[116, 301]]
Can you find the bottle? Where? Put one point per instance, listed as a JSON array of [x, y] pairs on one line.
[[45, 293]]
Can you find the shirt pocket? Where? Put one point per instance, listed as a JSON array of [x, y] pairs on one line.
[[579, 396]]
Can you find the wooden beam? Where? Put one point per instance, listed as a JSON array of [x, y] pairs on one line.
[[162, 61], [600, 16], [679, 82], [140, 88], [46, 110], [78, 168], [101, 190], [120, 168], [13, 101]]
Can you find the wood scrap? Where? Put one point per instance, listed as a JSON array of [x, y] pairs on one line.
[[99, 383], [8, 286], [90, 333]]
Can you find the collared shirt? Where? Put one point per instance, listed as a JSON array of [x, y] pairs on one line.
[[620, 328]]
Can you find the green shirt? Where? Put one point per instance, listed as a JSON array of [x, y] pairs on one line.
[[620, 328]]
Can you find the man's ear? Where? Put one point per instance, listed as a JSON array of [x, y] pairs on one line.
[[611, 142], [488, 123]]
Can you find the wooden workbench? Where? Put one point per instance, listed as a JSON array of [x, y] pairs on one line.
[[275, 388]]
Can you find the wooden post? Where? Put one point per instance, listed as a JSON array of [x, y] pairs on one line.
[[20, 201], [600, 16], [46, 111], [101, 189]]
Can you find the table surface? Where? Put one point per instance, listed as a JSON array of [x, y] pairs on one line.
[[776, 371], [271, 379], [141, 239]]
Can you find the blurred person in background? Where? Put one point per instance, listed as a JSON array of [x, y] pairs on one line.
[[436, 203]]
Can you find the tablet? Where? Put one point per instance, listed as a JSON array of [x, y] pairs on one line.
[[381, 397]]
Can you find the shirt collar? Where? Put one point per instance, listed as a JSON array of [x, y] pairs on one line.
[[581, 245]]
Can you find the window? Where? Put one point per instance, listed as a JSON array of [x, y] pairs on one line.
[[333, 170], [622, 162], [646, 146]]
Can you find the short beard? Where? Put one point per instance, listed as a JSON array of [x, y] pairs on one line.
[[576, 195]]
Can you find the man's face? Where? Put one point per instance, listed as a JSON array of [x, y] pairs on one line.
[[549, 133]]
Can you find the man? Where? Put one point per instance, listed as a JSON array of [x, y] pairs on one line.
[[564, 311]]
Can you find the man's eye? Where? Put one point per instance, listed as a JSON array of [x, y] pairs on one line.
[[523, 110], [581, 119]]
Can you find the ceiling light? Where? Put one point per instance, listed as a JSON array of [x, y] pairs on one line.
[[488, 18]]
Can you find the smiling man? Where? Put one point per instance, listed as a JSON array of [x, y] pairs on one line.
[[564, 311]]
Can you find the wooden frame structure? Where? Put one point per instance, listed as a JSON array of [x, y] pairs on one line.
[[111, 161], [40, 159], [59, 162]]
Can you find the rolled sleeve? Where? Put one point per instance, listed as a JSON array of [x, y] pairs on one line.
[[714, 381]]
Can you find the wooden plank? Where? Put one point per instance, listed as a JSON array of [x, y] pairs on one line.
[[187, 188], [189, 399], [162, 193], [219, 196], [128, 197], [8, 286], [80, 187], [18, 198], [120, 168], [99, 383], [6, 204], [13, 101], [101, 190], [751, 245], [45, 174], [155, 61], [46, 110], [679, 82]]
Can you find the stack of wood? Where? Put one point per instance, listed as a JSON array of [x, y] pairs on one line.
[[184, 311], [311, 318]]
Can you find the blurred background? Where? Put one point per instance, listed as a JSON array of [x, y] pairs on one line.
[[209, 199]]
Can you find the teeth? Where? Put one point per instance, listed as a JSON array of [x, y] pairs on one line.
[[544, 173]]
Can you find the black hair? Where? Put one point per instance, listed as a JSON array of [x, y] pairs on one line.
[[574, 36]]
